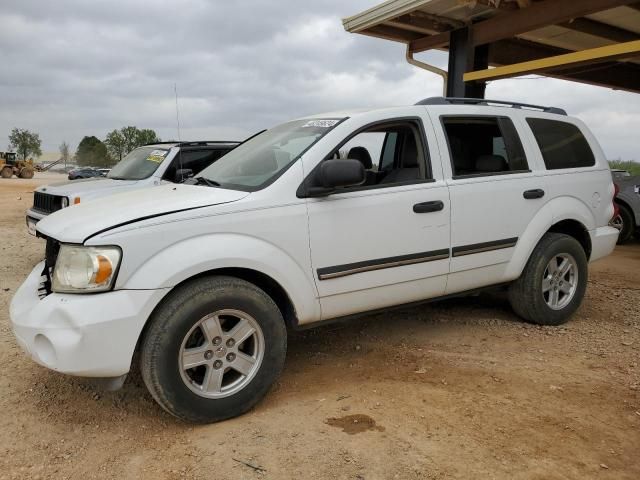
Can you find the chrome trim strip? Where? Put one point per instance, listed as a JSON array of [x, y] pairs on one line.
[[380, 266]]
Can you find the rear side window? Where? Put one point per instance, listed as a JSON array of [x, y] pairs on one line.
[[483, 145], [562, 144]]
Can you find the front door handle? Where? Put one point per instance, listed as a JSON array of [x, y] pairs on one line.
[[426, 207], [535, 193]]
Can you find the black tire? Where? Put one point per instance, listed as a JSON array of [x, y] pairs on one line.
[[526, 293], [174, 319], [627, 223]]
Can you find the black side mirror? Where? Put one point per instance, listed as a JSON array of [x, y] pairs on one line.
[[333, 174], [182, 174]]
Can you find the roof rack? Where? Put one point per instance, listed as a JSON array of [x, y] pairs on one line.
[[194, 143], [484, 101]]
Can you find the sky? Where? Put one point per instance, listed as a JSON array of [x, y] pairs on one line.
[[70, 68]]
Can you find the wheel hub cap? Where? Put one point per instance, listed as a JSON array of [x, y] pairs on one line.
[[560, 281], [221, 353]]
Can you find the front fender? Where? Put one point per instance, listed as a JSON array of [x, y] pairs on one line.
[[193, 256], [554, 211]]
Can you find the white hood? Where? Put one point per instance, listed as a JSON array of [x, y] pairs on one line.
[[76, 223], [86, 188]]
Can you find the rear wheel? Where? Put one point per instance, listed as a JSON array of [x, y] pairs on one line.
[[624, 222], [553, 282], [213, 349]]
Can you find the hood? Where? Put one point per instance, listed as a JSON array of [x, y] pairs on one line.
[[85, 187], [76, 223]]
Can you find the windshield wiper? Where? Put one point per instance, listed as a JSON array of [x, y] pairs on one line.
[[205, 181]]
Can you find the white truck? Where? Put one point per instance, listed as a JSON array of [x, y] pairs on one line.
[[143, 167], [317, 219]]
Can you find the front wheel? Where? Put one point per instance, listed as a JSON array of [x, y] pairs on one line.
[[553, 283], [213, 349]]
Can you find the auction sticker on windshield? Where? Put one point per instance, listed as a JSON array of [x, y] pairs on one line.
[[320, 123], [157, 156]]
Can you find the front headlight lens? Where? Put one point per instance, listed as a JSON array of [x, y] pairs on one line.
[[85, 269], [65, 202]]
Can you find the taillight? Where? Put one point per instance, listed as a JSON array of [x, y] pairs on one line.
[[616, 208]]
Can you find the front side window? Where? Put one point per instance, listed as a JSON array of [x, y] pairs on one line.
[[138, 164], [260, 160], [391, 153], [562, 144], [482, 146]]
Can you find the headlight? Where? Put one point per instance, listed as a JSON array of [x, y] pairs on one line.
[[85, 269], [65, 202]]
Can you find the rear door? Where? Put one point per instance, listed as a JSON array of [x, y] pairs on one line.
[[495, 191]]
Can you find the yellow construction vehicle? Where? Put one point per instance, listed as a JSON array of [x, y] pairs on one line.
[[10, 166]]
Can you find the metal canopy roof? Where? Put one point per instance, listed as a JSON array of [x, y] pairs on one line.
[[521, 31]]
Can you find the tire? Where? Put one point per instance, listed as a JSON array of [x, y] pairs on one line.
[[624, 222], [531, 300], [183, 329], [26, 173], [6, 172]]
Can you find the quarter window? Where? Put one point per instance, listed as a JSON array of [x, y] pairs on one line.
[[562, 144], [482, 146]]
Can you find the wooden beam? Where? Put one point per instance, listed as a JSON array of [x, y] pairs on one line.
[[601, 30], [620, 76], [538, 15], [516, 22], [391, 33], [592, 55], [429, 43]]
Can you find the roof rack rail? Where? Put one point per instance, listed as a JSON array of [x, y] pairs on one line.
[[192, 143], [484, 101]]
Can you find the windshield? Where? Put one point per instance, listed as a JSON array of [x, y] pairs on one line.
[[138, 164], [263, 158]]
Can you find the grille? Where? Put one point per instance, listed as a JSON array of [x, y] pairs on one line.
[[45, 203], [51, 255]]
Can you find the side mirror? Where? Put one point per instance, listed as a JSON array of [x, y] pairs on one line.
[[340, 173], [182, 174]]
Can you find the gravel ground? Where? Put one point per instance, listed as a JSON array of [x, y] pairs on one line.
[[456, 389]]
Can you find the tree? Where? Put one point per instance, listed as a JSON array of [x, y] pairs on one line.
[[25, 143], [116, 145], [64, 153], [92, 152], [146, 135], [121, 142]]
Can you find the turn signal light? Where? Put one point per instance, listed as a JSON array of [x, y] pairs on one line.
[[76, 200]]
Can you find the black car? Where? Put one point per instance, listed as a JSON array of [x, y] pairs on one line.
[[84, 173]]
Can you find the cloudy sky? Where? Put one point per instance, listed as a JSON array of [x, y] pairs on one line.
[[70, 68]]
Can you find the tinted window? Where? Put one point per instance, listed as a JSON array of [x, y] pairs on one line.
[[483, 145], [195, 160], [562, 144]]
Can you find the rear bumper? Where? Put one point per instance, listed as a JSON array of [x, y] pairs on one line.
[[89, 335], [603, 241]]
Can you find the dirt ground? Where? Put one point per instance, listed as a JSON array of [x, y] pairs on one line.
[[458, 389]]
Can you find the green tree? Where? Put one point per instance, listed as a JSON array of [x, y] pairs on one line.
[[25, 143], [121, 142], [146, 135], [116, 145], [92, 152]]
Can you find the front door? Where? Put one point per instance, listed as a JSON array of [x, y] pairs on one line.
[[386, 242]]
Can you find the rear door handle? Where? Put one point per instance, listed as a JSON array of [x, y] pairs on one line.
[[535, 193], [426, 207]]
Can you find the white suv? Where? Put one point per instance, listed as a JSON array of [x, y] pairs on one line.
[[317, 219]]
